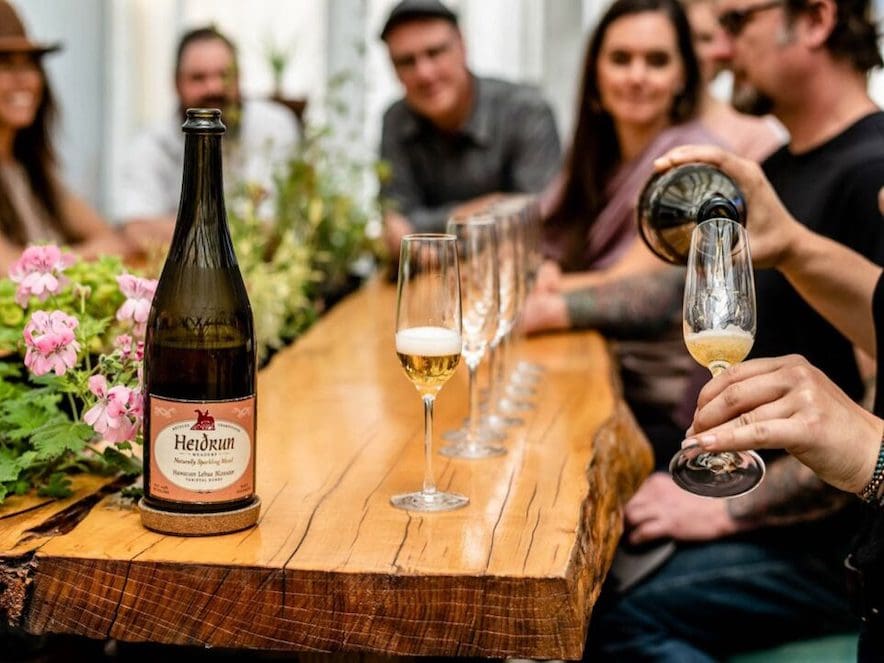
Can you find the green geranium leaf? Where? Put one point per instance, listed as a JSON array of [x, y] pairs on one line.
[[9, 466], [23, 416], [59, 485], [58, 437], [121, 462]]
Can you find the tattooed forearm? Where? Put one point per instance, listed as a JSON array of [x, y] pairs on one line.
[[790, 493], [638, 306]]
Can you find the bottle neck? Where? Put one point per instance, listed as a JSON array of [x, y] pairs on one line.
[[202, 188]]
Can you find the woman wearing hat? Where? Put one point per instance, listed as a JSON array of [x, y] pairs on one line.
[[35, 207]]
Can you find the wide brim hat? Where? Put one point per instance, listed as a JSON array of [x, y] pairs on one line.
[[408, 10], [14, 38]]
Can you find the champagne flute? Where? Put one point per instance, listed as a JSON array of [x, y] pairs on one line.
[[428, 343], [480, 293], [719, 329], [496, 418]]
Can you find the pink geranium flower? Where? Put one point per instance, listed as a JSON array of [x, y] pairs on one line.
[[116, 416], [38, 272], [139, 294], [50, 342]]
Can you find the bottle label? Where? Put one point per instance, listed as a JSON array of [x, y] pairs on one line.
[[202, 451]]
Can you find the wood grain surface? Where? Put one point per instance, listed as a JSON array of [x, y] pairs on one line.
[[331, 566]]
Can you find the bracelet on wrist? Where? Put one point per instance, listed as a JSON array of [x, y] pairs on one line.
[[872, 492]]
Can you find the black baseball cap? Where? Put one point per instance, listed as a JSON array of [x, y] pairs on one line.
[[407, 10]]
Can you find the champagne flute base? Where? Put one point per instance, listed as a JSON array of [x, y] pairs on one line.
[[472, 451], [520, 391], [510, 406], [530, 367], [485, 434], [436, 501], [726, 474], [498, 422]]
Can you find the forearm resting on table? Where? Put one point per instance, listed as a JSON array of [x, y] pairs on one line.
[[640, 305], [148, 233], [790, 493], [9, 253], [637, 260]]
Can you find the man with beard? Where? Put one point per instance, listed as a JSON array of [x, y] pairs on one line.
[[767, 567], [260, 135]]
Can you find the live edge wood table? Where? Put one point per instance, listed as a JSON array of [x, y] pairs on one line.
[[331, 566]]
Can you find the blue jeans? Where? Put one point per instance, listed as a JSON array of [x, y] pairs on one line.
[[715, 599]]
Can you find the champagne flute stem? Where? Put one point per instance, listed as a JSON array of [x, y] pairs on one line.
[[500, 368], [473, 425], [504, 358], [493, 358], [718, 367], [429, 481]]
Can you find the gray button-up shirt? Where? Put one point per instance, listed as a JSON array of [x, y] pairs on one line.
[[509, 145]]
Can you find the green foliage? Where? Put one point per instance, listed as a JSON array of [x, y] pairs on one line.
[[58, 485], [302, 252], [92, 295], [43, 438]]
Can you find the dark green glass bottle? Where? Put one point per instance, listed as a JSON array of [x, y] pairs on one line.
[[199, 355]]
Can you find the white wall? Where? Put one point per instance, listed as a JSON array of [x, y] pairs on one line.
[[76, 75]]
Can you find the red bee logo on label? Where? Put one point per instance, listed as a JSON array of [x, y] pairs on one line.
[[204, 421]]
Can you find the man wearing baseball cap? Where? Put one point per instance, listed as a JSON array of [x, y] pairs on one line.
[[454, 136]]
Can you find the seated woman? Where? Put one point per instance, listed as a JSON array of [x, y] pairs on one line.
[[34, 204], [640, 97]]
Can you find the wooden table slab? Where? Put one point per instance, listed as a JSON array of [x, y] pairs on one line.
[[332, 566]]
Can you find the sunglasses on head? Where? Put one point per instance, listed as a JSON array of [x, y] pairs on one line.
[[735, 20]]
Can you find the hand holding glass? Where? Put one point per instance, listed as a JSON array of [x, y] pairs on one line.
[[719, 329]]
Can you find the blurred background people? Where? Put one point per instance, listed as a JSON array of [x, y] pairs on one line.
[[747, 135], [260, 136], [35, 206], [454, 136], [640, 96], [772, 560]]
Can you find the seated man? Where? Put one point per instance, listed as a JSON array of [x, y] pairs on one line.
[[454, 136], [259, 135]]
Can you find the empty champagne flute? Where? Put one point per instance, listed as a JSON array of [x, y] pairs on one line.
[[480, 296], [497, 418], [510, 217], [719, 329], [428, 343]]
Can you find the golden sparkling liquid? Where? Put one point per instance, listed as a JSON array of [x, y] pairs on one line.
[[429, 356], [721, 347]]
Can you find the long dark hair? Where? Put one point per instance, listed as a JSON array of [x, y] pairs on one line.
[[595, 151], [32, 148]]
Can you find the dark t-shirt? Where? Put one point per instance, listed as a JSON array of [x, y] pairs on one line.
[[833, 190], [869, 550]]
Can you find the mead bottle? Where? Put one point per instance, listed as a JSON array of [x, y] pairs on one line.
[[199, 359]]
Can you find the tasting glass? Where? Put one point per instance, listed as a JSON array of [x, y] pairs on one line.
[[497, 417], [428, 343], [719, 329], [480, 302]]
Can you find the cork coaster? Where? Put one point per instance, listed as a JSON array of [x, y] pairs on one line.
[[199, 524]]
